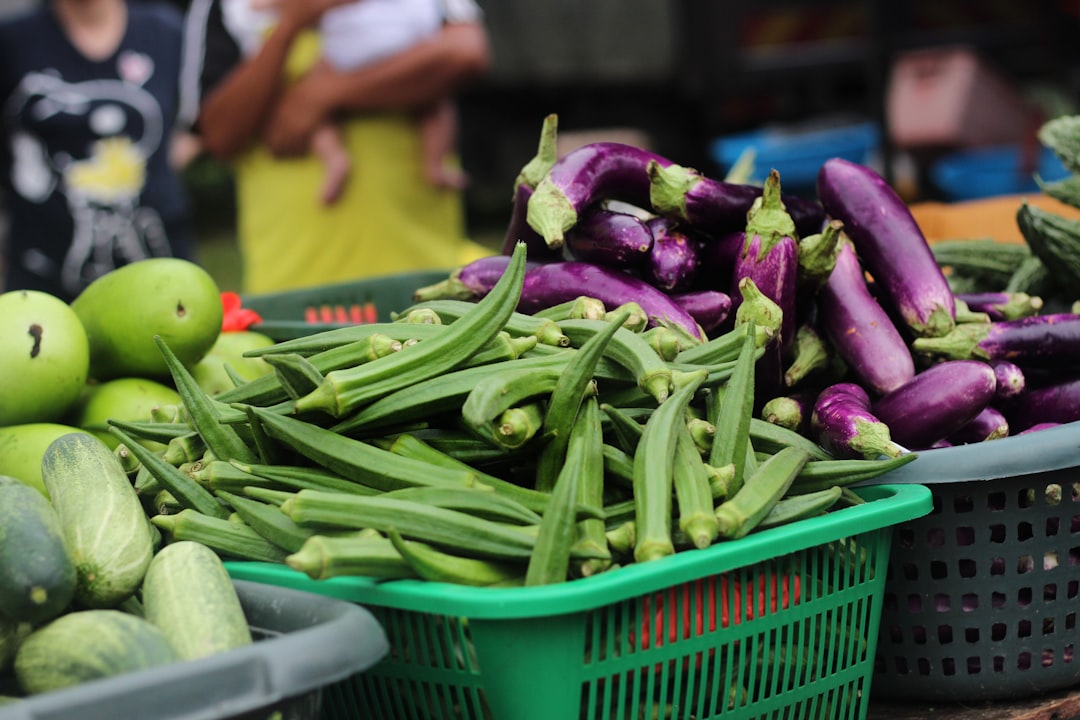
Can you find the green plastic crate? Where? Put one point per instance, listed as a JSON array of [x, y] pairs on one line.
[[782, 623], [304, 311]]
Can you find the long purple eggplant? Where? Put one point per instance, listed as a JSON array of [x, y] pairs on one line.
[[710, 308], [548, 284], [860, 330], [524, 184], [989, 424], [1003, 305], [617, 240], [718, 207], [585, 175], [1056, 403], [890, 244], [471, 281], [672, 263], [717, 256], [842, 423], [937, 402], [1040, 341]]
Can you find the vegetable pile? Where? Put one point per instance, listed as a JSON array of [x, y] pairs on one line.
[[882, 343], [473, 443]]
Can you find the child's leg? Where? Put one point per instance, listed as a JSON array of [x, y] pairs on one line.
[[438, 141], [329, 147]]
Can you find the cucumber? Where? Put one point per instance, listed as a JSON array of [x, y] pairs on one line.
[[37, 578], [104, 524], [86, 645], [189, 596]]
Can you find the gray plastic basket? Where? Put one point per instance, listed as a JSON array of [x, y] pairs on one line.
[[982, 595], [304, 643]]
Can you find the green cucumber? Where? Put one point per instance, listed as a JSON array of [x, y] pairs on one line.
[[104, 524], [86, 645], [37, 578], [188, 595]]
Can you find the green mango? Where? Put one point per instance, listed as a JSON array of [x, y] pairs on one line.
[[44, 357], [124, 309], [210, 372], [23, 446], [129, 398]]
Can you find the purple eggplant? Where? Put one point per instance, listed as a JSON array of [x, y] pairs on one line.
[[717, 207], [1056, 403], [471, 281], [1010, 377], [1003, 305], [672, 263], [1040, 341], [548, 284], [842, 423], [860, 330], [710, 308], [890, 244], [524, 184], [617, 240], [584, 176], [937, 402], [989, 424]]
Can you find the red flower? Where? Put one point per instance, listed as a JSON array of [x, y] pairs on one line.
[[236, 318]]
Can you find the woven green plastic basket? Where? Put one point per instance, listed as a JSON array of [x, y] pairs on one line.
[[781, 623], [304, 311]]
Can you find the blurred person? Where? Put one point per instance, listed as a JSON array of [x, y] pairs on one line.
[[257, 93], [89, 91], [353, 35]]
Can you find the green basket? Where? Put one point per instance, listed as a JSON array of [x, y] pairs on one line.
[[304, 311], [782, 623]]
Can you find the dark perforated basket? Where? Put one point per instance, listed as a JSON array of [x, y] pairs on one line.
[[982, 595]]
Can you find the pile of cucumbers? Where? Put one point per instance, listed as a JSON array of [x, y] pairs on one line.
[[471, 443], [87, 590]]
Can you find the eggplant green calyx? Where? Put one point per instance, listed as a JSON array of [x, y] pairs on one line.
[[818, 253], [940, 323], [769, 219], [550, 213], [546, 154], [872, 439], [758, 307], [449, 289], [960, 344], [669, 186]]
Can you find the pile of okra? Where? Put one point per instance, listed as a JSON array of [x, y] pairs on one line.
[[467, 442]]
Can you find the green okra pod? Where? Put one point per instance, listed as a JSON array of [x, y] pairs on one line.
[[625, 428], [572, 386], [590, 531], [495, 393], [735, 410], [222, 439], [358, 460], [725, 347], [434, 565], [583, 306], [693, 495], [268, 521], [474, 536], [664, 342], [791, 508], [231, 539], [823, 474], [186, 491], [484, 503], [741, 513], [298, 477], [159, 432], [772, 438], [298, 375], [322, 557], [650, 371], [343, 391], [653, 481]]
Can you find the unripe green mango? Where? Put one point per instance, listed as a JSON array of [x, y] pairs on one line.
[[124, 309], [23, 446], [229, 350], [127, 398], [44, 357]]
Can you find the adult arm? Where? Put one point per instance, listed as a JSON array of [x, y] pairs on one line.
[[427, 72], [233, 111]]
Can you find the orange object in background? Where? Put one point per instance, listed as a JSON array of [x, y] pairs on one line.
[[985, 218]]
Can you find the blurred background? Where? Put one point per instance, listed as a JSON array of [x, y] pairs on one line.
[[943, 97]]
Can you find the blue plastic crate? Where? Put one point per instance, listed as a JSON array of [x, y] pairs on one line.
[[797, 153], [990, 171]]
